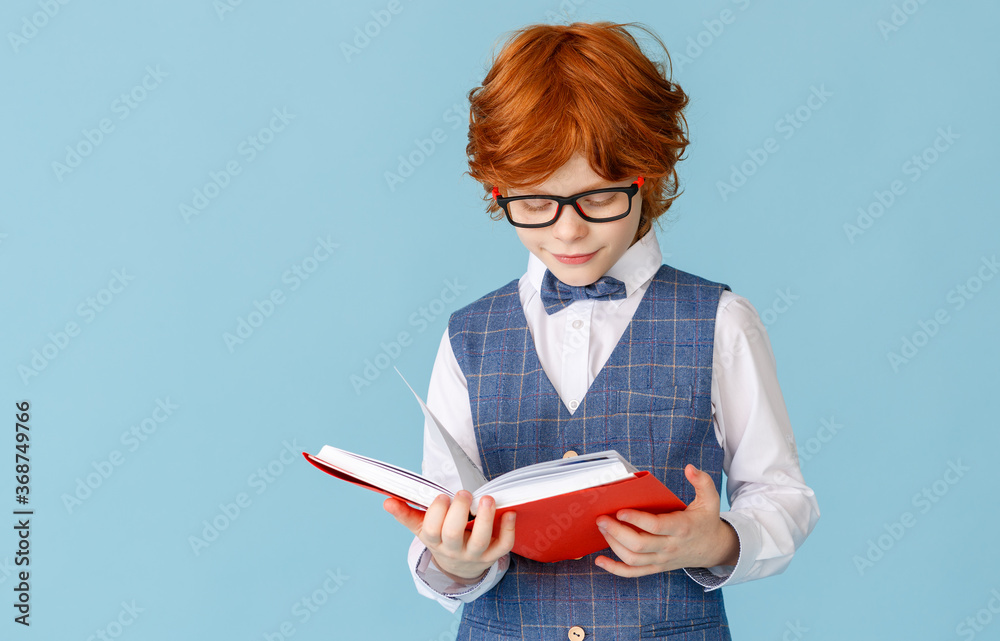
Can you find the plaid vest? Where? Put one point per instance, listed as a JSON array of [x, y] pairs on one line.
[[651, 401]]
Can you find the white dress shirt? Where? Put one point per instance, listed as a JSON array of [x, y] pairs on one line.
[[771, 508]]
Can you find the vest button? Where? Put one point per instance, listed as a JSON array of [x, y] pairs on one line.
[[569, 454], [576, 633]]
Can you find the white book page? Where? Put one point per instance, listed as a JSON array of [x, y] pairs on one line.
[[410, 486], [604, 457], [525, 477], [569, 479], [470, 475], [558, 476]]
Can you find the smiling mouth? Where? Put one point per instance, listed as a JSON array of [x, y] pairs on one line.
[[573, 259]]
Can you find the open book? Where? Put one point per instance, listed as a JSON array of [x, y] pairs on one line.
[[557, 502]]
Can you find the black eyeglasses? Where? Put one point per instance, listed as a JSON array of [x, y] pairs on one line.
[[596, 206]]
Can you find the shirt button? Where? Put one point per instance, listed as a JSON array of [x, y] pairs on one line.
[[569, 454], [576, 633], [574, 404], [577, 324]]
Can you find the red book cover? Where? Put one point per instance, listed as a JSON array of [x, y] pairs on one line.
[[565, 526]]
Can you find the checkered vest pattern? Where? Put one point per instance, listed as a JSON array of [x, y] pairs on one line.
[[651, 402]]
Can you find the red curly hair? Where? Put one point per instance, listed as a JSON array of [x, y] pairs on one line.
[[554, 90]]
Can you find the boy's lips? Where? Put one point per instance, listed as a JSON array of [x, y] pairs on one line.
[[573, 259]]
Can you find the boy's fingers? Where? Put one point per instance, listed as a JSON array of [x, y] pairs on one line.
[[621, 569], [505, 541], [652, 523], [453, 529], [482, 527], [637, 541], [629, 556], [430, 530]]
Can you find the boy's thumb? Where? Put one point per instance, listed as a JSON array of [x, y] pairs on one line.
[[410, 518], [701, 480]]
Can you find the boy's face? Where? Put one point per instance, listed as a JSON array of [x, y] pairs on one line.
[[575, 251]]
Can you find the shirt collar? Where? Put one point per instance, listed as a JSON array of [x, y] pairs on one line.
[[636, 266]]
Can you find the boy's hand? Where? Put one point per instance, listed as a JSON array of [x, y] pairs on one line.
[[462, 555], [695, 537]]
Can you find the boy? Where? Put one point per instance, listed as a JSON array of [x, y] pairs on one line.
[[575, 135]]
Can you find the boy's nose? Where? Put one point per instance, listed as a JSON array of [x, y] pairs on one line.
[[569, 226]]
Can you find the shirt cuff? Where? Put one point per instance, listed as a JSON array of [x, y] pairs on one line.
[[717, 576], [432, 576]]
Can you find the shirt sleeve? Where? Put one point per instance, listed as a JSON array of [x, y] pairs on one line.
[[771, 507], [448, 400]]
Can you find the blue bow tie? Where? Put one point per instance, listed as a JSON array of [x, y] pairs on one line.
[[557, 294]]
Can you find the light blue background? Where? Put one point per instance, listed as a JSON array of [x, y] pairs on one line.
[[62, 237]]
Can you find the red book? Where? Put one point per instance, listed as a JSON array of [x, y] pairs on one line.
[[554, 527], [557, 502]]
